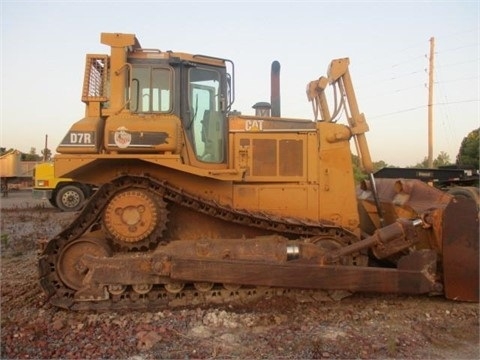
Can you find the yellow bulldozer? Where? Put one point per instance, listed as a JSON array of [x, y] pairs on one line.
[[197, 203]]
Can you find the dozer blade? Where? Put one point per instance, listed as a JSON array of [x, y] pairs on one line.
[[460, 250], [413, 276]]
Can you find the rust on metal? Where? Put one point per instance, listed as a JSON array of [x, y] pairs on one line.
[[308, 276], [460, 250]]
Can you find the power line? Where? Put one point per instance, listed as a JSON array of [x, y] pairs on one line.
[[458, 48], [461, 63], [408, 72], [458, 79], [457, 102], [422, 107], [398, 112]]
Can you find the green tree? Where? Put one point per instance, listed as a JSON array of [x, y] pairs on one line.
[[32, 155], [442, 159], [4, 150], [358, 174], [46, 154], [469, 149]]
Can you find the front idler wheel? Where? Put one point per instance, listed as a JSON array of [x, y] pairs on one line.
[[71, 268]]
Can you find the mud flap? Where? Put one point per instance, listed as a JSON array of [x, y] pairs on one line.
[[460, 250]]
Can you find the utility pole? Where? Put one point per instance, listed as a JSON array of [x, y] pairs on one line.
[[430, 104]]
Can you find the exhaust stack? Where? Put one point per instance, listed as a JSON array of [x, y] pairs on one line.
[[275, 89]]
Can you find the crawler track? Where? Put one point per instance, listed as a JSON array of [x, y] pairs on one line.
[[89, 220]]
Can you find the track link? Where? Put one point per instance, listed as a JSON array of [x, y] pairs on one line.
[[89, 220]]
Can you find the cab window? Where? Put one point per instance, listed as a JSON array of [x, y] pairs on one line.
[[206, 118], [151, 90]]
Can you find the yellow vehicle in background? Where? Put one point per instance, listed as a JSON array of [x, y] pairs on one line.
[[63, 193]]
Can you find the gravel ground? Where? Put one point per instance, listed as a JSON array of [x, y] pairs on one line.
[[362, 326]]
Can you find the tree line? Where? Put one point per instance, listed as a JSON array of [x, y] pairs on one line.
[[467, 157], [32, 155]]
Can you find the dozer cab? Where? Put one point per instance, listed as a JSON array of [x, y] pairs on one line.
[[198, 203]]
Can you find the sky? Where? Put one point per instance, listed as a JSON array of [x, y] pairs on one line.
[[44, 43]]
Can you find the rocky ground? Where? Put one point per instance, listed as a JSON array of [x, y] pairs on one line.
[[357, 327]]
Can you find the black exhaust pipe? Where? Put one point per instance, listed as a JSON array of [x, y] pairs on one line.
[[275, 89]]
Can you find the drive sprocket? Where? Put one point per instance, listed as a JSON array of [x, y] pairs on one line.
[[135, 218]]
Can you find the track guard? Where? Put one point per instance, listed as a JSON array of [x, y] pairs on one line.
[[460, 250]]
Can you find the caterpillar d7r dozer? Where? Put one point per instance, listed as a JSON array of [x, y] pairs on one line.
[[198, 203]]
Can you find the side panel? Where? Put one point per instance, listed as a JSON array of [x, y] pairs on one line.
[[285, 199], [84, 137], [272, 157], [336, 186], [295, 172], [148, 133], [275, 180], [10, 164]]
